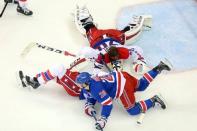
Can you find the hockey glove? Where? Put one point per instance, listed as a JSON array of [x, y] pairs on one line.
[[98, 65], [100, 123], [89, 109], [116, 65]]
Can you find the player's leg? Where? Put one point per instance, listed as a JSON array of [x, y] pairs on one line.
[[144, 105], [148, 77], [128, 98], [86, 26], [43, 77], [83, 20]]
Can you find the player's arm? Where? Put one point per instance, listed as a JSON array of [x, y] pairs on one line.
[[104, 99], [90, 102]]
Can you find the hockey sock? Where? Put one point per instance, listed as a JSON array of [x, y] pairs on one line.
[[145, 105], [44, 77], [146, 80], [141, 106]]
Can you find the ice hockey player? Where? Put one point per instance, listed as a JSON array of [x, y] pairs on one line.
[[102, 39], [21, 6], [133, 54], [60, 74], [119, 85]]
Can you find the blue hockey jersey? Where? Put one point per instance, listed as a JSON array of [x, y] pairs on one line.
[[104, 89]]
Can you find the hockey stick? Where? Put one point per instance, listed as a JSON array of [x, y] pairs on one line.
[[3, 9], [105, 64], [29, 47], [76, 62]]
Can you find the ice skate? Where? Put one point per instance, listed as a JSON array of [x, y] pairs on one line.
[[24, 10], [156, 99], [28, 81], [22, 79], [163, 65]]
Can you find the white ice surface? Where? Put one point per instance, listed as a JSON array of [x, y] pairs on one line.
[[49, 108]]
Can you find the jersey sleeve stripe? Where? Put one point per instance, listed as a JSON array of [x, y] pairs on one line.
[[108, 101]]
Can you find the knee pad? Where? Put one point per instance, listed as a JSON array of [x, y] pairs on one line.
[[139, 23], [82, 17]]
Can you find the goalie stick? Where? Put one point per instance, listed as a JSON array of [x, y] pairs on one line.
[[29, 47], [3, 9]]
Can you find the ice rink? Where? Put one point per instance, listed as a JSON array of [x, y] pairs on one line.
[[50, 108]]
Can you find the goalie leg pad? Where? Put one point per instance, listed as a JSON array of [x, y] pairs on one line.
[[139, 23], [82, 18]]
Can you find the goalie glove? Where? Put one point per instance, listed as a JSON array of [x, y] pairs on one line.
[[89, 109], [100, 123]]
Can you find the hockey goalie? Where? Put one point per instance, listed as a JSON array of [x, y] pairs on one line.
[[102, 39]]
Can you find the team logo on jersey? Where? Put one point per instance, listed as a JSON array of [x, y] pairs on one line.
[[102, 94]]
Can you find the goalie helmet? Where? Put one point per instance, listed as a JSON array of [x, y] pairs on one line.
[[83, 78]]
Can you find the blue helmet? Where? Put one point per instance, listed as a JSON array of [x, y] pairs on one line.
[[83, 77]]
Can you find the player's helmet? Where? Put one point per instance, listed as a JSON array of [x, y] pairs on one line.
[[83, 77]]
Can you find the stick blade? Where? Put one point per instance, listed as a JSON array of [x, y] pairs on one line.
[[27, 49]]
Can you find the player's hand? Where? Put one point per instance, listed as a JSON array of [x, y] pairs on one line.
[[89, 109], [100, 123]]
